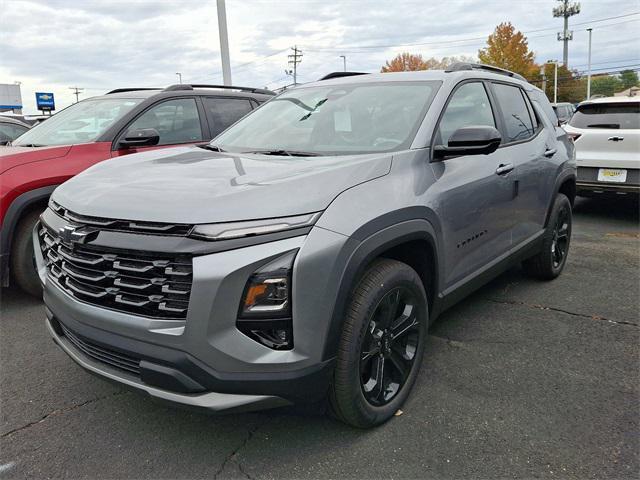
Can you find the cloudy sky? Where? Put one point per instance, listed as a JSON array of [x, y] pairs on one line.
[[51, 45]]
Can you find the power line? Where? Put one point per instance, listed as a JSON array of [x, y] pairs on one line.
[[462, 40]]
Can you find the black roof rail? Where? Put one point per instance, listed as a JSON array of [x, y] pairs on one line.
[[121, 90], [191, 86], [331, 75], [460, 66]]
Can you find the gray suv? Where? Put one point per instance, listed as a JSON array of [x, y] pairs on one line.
[[303, 253]]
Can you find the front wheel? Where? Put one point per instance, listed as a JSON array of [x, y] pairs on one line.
[[381, 346], [550, 261], [23, 266]]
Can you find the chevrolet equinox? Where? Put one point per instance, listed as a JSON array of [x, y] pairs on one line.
[[303, 253]]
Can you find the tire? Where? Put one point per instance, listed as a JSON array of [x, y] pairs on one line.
[[23, 267], [550, 261], [376, 333]]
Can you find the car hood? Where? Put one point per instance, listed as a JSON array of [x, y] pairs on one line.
[[14, 156], [194, 185]]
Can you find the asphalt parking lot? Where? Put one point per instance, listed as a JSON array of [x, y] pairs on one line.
[[522, 379]]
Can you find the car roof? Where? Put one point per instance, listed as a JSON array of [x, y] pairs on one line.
[[423, 75], [14, 121], [187, 90], [611, 100]]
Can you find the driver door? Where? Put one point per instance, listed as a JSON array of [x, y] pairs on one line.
[[476, 191]]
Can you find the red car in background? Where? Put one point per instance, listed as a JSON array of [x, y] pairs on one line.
[[122, 122]]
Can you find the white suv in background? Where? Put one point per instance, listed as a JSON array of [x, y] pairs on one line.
[[606, 132]]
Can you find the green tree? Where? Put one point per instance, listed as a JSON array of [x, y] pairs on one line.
[[571, 88], [508, 48], [629, 79], [605, 85]]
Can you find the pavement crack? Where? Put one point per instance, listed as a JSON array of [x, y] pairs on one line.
[[555, 309], [232, 457], [60, 411]]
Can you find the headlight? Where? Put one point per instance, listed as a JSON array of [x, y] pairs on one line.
[[265, 309], [267, 293], [226, 231]]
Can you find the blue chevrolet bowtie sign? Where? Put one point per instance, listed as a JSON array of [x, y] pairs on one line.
[[45, 101]]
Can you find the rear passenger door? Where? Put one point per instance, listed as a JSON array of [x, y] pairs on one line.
[[530, 147], [177, 120], [475, 191], [222, 112]]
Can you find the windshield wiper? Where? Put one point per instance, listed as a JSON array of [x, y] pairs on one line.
[[213, 148], [285, 153], [614, 126], [30, 145]]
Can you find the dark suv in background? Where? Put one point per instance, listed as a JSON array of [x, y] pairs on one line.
[[122, 122], [305, 251]]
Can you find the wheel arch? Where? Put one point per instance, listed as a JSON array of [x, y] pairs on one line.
[[565, 184], [21, 205], [413, 241]]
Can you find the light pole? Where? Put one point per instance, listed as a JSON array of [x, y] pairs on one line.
[[179, 76], [344, 62], [589, 67], [224, 43], [555, 80]]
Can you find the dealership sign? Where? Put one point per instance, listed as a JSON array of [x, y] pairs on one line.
[[45, 101]]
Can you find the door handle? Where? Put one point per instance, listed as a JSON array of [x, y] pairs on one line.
[[504, 168], [550, 152], [615, 139]]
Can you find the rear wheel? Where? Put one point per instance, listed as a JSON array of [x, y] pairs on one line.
[[548, 264], [381, 346], [23, 267]]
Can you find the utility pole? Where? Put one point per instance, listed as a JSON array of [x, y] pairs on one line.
[[555, 80], [179, 76], [294, 60], [77, 92], [589, 67], [344, 62], [566, 10], [544, 79], [224, 43]]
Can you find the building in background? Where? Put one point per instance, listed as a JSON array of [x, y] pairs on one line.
[[10, 98]]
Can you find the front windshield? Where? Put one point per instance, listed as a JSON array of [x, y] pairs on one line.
[[80, 123], [332, 120]]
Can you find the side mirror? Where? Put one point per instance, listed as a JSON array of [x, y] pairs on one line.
[[471, 140], [141, 137]]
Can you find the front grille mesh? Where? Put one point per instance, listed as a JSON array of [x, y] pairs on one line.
[[135, 282], [102, 354]]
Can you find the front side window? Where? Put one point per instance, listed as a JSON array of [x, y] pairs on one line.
[[9, 131], [224, 112], [177, 121], [607, 115], [515, 115], [469, 106], [334, 119], [82, 122]]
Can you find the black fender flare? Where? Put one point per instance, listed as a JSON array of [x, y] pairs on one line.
[[567, 174], [366, 244], [19, 205]]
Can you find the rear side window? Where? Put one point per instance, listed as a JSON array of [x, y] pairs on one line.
[[10, 131], [468, 106], [177, 121], [515, 114], [224, 112], [607, 115]]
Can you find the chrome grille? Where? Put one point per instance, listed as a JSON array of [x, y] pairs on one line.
[[102, 354], [175, 229], [135, 282]]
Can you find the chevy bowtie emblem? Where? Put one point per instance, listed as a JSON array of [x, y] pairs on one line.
[[69, 235]]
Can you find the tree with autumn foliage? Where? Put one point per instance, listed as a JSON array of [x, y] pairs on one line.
[[507, 48], [406, 62]]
